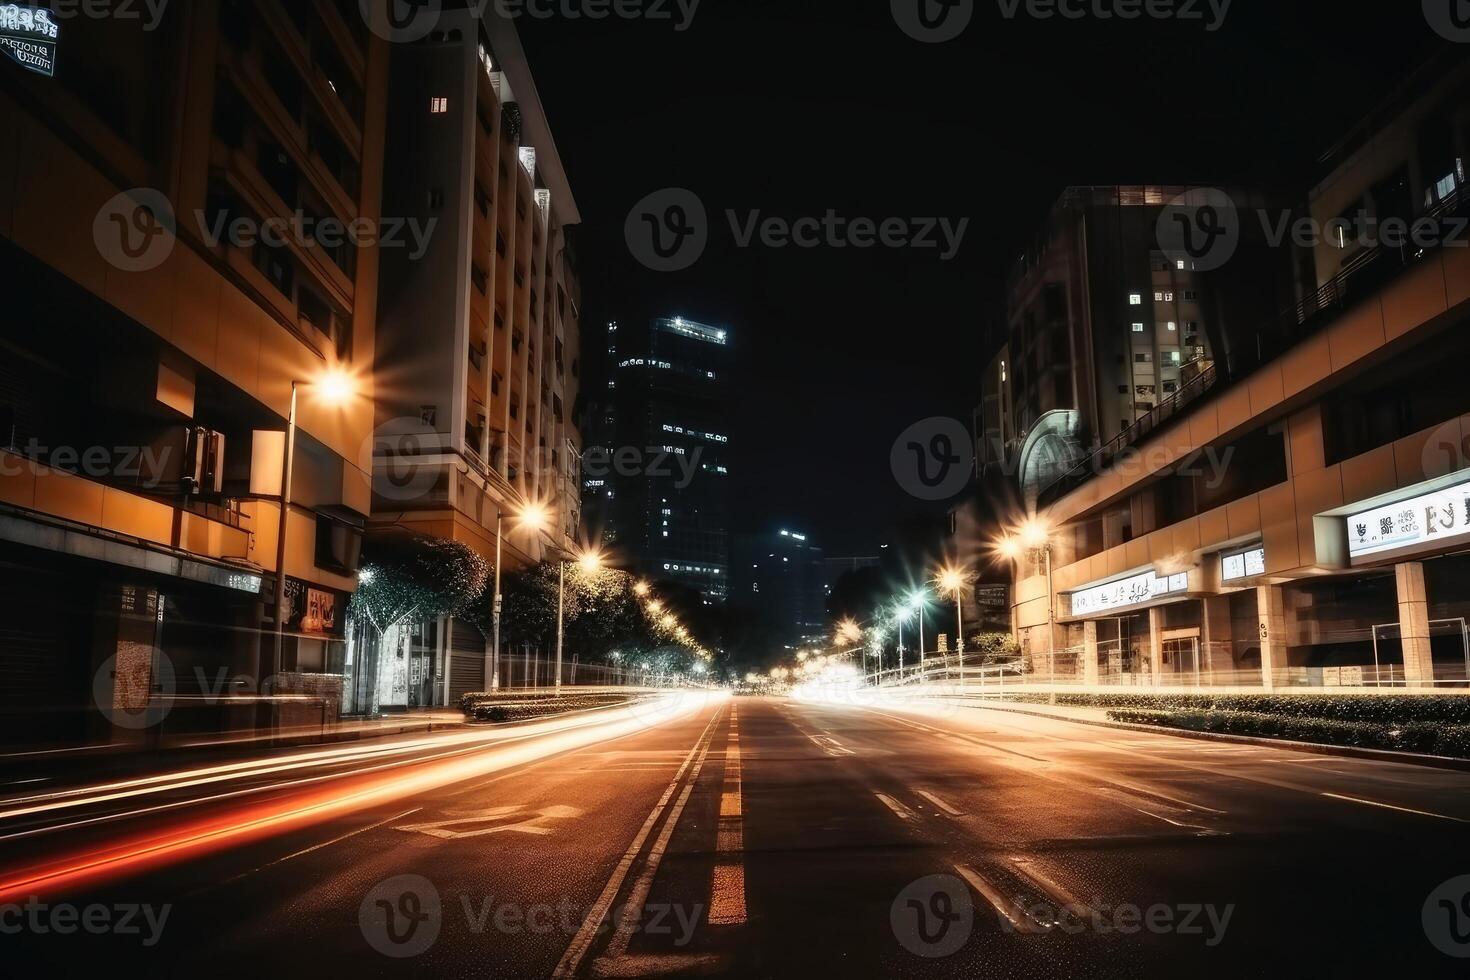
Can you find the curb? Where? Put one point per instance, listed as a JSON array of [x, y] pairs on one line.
[[1313, 748]]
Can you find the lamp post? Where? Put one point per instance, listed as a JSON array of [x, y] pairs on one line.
[[334, 387], [1035, 536], [952, 581]]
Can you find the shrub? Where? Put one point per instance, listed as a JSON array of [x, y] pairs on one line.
[[1424, 737]]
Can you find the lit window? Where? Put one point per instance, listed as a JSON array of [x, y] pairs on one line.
[[1138, 328], [1158, 297], [1173, 325], [1180, 264], [439, 105], [1135, 299], [1174, 356]]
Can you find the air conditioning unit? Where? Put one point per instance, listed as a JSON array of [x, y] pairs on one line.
[[204, 463]]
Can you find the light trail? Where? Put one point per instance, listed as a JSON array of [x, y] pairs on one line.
[[348, 792]]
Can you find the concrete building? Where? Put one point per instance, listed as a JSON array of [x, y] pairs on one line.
[[660, 468], [175, 205], [479, 352], [1304, 522]]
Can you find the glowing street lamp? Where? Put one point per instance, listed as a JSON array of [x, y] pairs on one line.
[[590, 561], [641, 589], [952, 581], [334, 387], [1034, 535]]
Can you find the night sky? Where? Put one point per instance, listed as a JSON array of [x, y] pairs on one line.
[[792, 107]]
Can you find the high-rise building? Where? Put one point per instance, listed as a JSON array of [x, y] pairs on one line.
[[1104, 325], [181, 202], [780, 577], [660, 466], [1303, 522], [479, 350]]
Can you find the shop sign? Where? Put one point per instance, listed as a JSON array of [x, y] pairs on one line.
[[321, 612], [1126, 592], [28, 37], [1244, 564], [1418, 523]]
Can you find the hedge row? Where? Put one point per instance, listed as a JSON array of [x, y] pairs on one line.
[[1389, 709], [1425, 737]]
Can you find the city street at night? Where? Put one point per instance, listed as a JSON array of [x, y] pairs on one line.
[[909, 489], [1028, 844]]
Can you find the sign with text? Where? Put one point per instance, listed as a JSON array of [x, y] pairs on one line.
[[1421, 522], [28, 37], [1126, 592], [1244, 564]]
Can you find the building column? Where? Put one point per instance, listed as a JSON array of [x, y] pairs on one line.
[[1271, 607], [1414, 624], [1156, 644], [1089, 653], [1217, 657]]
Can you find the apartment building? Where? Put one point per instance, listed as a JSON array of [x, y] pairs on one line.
[[1303, 522], [1105, 323], [175, 193], [479, 355]]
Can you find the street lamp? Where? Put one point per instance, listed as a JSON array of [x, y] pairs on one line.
[[334, 387], [952, 581], [917, 602], [590, 561], [534, 518], [1035, 536]]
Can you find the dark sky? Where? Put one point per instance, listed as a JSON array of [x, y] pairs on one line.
[[793, 107]]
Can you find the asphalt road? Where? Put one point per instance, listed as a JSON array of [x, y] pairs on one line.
[[751, 837]]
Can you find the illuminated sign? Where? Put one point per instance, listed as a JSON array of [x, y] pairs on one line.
[[1126, 592], [1425, 521], [28, 36], [1243, 564]]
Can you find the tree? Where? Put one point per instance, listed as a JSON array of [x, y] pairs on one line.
[[406, 577]]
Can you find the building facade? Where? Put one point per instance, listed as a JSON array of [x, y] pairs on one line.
[[1305, 522], [174, 195], [660, 470], [479, 352], [781, 578], [1104, 324]]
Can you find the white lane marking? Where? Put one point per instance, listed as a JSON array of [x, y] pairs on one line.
[[535, 826], [945, 807], [903, 812], [592, 924], [1400, 809], [1016, 917], [317, 847], [1062, 896]]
